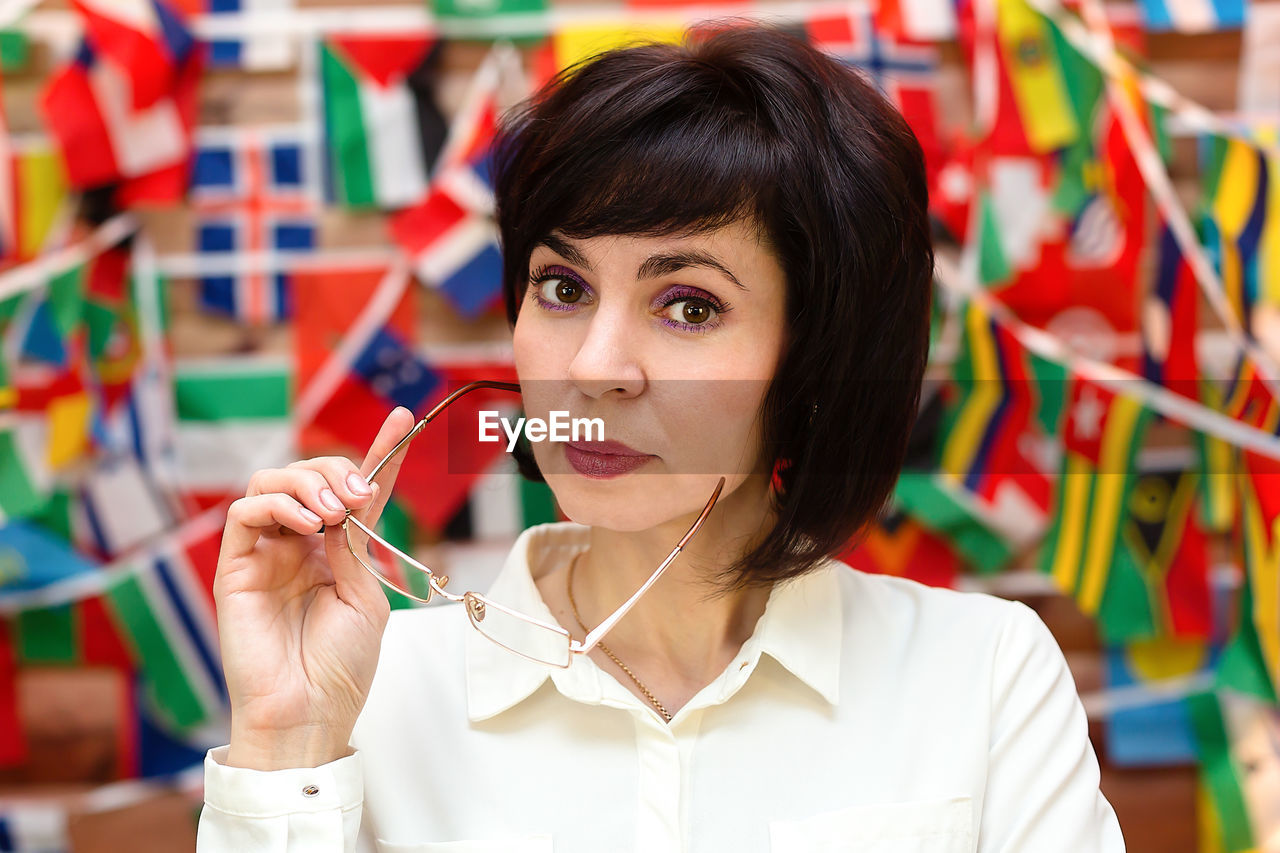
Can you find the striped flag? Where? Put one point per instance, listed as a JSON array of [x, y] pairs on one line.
[[383, 129], [256, 207], [1193, 16], [991, 436], [25, 478], [121, 505], [451, 234], [1101, 436], [232, 419], [1226, 727], [146, 39], [1159, 580], [1036, 72], [88, 106], [1170, 321], [33, 199], [1236, 178], [164, 609], [267, 52]]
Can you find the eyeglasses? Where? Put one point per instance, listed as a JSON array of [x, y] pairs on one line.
[[524, 635]]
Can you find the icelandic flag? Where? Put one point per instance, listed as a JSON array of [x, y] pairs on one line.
[[256, 211]]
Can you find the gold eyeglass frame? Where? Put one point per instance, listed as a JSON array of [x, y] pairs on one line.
[[476, 604]]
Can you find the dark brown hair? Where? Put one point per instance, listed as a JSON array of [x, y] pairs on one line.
[[747, 122]]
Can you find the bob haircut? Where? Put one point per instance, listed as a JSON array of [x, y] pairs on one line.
[[747, 122]]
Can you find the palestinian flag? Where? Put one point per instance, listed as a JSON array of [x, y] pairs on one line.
[[383, 128], [1101, 436]]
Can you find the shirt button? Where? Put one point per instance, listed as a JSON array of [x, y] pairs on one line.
[[310, 791]]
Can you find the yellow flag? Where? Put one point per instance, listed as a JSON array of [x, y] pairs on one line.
[[68, 419], [579, 41], [42, 189], [1036, 75]]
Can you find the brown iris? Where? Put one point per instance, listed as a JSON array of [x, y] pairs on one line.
[[567, 291]]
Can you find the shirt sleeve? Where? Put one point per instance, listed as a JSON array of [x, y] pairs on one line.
[[1043, 778], [281, 811]]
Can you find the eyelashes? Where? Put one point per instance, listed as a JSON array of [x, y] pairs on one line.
[[675, 295]]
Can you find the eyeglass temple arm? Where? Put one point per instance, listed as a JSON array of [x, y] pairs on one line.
[[440, 407], [597, 634]]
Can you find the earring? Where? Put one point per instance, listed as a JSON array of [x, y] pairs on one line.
[[813, 412]]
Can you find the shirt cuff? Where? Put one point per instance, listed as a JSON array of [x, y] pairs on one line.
[[271, 793]]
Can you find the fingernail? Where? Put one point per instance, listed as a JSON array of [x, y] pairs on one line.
[[357, 485], [329, 499], [310, 516]]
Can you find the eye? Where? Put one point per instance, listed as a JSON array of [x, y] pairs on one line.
[[556, 289], [695, 312], [691, 310]]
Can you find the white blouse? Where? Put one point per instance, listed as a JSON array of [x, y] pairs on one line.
[[865, 713]]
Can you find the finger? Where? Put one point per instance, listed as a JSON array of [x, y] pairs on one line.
[[355, 585], [394, 429], [344, 478], [305, 484], [248, 517]]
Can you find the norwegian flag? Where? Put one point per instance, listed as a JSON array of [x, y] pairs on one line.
[[450, 234], [907, 73], [256, 206]]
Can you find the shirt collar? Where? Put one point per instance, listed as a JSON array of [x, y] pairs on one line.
[[801, 628]]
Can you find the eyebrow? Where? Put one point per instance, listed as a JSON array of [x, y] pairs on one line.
[[654, 266]]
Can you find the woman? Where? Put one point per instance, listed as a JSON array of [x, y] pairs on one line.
[[722, 250]]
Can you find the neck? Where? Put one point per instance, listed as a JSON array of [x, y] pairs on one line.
[[685, 629]]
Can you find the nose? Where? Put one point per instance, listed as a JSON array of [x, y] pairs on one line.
[[608, 358]]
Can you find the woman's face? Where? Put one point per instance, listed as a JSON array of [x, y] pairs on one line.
[[671, 342]]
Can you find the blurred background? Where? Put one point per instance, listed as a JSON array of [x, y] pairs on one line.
[[235, 233]]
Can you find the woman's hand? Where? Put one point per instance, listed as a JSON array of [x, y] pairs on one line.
[[300, 621]]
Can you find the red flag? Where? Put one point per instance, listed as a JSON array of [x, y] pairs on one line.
[[147, 39], [898, 545], [13, 746]]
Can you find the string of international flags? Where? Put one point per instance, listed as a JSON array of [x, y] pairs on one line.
[[94, 417]]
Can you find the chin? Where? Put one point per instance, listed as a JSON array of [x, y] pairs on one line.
[[635, 502]]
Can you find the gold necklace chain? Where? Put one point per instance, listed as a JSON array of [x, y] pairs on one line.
[[653, 700]]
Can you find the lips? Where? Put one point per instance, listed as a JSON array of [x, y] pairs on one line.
[[608, 448], [604, 459]]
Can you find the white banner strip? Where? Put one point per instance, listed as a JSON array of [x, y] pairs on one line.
[[1156, 397]]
